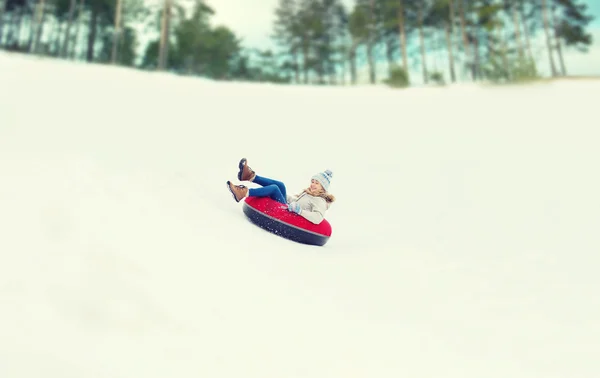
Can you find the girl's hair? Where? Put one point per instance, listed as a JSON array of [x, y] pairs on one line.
[[329, 198]]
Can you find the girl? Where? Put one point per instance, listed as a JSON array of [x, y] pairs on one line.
[[311, 203]]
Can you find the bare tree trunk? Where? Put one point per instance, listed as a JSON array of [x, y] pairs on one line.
[[389, 54], [465, 38], [402, 31], [548, 41], [504, 52], [305, 62], [296, 65], [77, 28], [476, 59], [168, 33], [332, 74], [92, 35], [352, 59], [164, 37], [329, 64], [40, 31], [344, 69], [59, 27], [489, 53], [450, 52], [450, 40], [32, 28], [161, 45], [558, 44], [10, 27], [38, 24], [19, 27], [117, 32], [526, 33], [371, 63], [371, 43], [2, 7], [518, 39], [65, 46], [52, 35], [422, 43], [320, 72]]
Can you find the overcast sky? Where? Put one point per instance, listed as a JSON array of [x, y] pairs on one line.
[[251, 19]]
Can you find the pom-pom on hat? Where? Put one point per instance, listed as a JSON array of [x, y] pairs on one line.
[[324, 178]]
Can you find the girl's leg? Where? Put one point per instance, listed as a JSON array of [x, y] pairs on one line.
[[264, 181], [271, 191]]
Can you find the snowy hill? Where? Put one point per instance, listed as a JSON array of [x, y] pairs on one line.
[[464, 232]]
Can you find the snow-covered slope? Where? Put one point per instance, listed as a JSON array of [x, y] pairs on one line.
[[464, 245]]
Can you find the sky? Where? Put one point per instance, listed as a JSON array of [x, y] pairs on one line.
[[465, 228], [253, 21]]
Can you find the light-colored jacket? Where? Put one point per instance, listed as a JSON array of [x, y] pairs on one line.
[[313, 208]]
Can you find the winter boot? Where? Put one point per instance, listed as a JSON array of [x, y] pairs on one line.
[[246, 173], [238, 191]]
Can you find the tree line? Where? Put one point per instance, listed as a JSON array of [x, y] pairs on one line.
[[489, 39], [177, 34], [317, 41]]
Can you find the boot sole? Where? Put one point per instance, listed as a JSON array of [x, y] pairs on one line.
[[231, 191], [241, 167]]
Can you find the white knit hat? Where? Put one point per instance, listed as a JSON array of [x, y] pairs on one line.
[[324, 178]]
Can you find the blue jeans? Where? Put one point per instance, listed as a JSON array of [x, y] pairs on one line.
[[270, 188]]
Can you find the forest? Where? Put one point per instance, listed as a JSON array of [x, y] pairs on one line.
[[319, 42]]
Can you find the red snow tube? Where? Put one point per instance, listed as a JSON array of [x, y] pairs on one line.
[[274, 217]]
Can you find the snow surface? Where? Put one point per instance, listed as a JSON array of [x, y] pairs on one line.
[[465, 233]]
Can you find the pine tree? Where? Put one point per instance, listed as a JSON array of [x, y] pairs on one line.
[[570, 27]]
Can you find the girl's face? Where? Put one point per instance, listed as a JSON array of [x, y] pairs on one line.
[[315, 186]]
